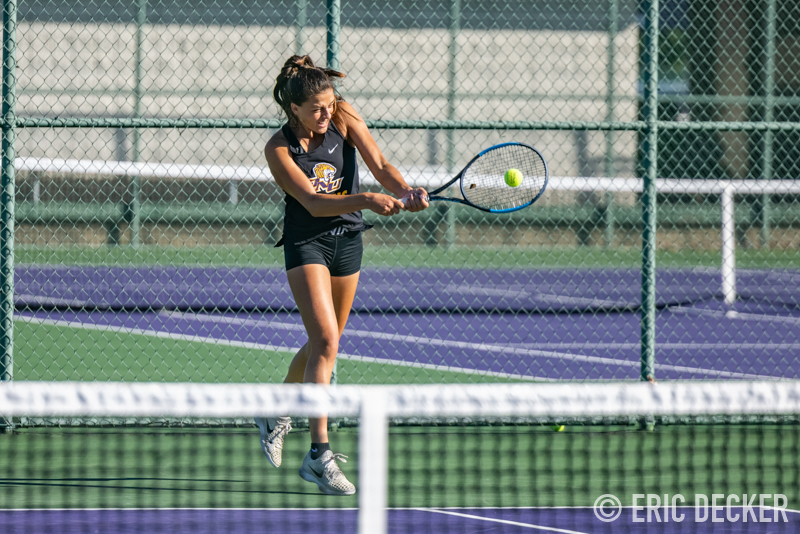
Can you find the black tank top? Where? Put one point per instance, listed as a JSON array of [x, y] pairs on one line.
[[333, 170]]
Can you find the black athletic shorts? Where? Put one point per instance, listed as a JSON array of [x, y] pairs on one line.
[[341, 254]]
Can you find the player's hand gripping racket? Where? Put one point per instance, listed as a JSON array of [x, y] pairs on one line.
[[503, 178]]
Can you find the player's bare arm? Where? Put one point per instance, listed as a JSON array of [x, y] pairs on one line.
[[356, 131]]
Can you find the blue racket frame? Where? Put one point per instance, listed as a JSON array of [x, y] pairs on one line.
[[433, 195]]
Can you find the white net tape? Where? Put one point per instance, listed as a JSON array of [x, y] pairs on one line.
[[111, 399]]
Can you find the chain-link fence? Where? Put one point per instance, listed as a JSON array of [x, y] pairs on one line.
[[144, 217]]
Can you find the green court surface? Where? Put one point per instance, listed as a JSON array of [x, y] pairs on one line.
[[54, 352], [446, 466]]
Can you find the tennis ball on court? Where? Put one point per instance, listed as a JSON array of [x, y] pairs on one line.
[[513, 177], [558, 428]]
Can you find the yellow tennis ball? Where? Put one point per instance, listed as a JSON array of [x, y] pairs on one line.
[[513, 177]]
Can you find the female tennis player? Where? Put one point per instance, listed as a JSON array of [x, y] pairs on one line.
[[313, 159]]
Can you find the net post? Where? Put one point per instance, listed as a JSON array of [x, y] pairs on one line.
[[7, 197], [650, 167], [373, 435], [728, 231]]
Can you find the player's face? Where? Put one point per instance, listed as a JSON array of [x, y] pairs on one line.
[[316, 112]]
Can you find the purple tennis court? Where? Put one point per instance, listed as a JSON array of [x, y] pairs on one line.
[[386, 290], [546, 324], [565, 520]]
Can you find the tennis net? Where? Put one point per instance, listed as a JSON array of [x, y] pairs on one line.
[[632, 457]]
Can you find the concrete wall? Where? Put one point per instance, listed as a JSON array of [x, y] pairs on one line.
[[87, 69]]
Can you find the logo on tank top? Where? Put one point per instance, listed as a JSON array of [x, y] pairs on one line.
[[324, 180]]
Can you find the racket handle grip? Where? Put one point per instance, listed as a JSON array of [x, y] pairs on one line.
[[404, 200]]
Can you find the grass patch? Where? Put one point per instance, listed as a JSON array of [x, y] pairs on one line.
[[54, 352]]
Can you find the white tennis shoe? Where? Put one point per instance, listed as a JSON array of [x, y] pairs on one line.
[[326, 474], [273, 430]]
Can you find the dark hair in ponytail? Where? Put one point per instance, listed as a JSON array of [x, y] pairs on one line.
[[299, 80]]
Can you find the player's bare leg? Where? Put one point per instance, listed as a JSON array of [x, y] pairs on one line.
[[343, 292], [324, 303]]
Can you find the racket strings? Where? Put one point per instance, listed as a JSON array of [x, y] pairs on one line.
[[484, 184]]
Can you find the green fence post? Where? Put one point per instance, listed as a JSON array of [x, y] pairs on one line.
[[608, 161], [300, 27], [769, 112], [7, 195], [649, 164], [449, 215], [333, 23], [135, 212]]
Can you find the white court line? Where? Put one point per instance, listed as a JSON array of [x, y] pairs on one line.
[[151, 333], [52, 301], [501, 521], [479, 290], [449, 368], [733, 314], [686, 506], [562, 299], [661, 346], [486, 347], [275, 348]]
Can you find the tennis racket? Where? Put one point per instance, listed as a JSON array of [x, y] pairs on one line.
[[483, 184]]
